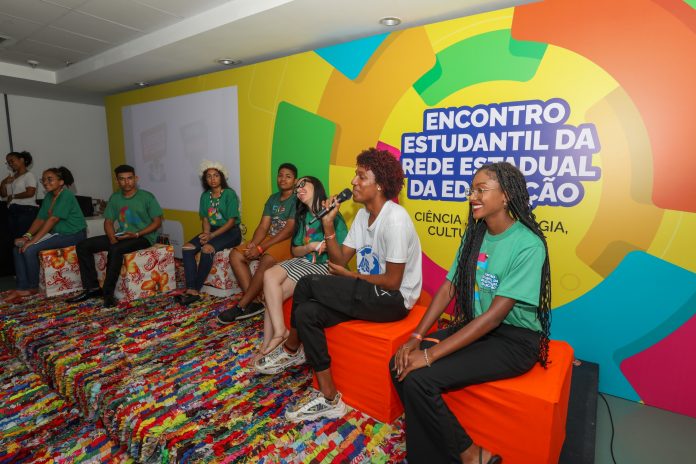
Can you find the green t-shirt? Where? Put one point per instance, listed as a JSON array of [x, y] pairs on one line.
[[279, 211], [509, 265], [133, 214], [219, 210], [311, 231], [67, 209]]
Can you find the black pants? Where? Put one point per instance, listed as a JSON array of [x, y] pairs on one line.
[[433, 433], [322, 301], [114, 259], [20, 219]]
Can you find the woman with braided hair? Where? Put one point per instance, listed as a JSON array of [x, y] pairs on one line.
[[500, 281]]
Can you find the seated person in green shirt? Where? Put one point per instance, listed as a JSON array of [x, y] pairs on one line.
[[59, 224], [131, 219], [270, 245], [311, 258], [219, 212], [500, 281]]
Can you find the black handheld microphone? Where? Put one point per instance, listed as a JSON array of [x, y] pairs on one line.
[[346, 194]]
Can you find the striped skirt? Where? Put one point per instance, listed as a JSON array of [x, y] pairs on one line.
[[300, 267]]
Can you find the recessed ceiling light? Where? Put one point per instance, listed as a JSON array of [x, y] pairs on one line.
[[390, 21], [142, 84], [33, 63], [228, 61]]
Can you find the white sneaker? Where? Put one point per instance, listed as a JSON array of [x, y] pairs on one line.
[[315, 406], [278, 360]]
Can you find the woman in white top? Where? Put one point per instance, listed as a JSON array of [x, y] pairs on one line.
[[20, 190]]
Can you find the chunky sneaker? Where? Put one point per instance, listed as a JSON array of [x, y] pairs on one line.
[[314, 405], [278, 360]]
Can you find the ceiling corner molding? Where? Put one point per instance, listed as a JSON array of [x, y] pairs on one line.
[[27, 72]]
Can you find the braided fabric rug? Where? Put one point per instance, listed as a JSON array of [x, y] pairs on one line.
[[167, 384], [38, 426]]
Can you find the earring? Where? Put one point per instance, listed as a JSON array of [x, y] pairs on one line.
[[379, 188]]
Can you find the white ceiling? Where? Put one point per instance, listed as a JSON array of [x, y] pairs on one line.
[[86, 49]]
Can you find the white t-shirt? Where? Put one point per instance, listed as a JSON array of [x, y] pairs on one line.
[[20, 185], [392, 238]]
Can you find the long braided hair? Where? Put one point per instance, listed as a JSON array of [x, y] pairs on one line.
[[513, 184]]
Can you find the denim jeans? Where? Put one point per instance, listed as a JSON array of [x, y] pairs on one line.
[[27, 263], [196, 275]]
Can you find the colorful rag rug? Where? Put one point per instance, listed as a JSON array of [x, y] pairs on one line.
[[155, 381], [38, 426]]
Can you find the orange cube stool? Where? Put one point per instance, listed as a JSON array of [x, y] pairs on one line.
[[523, 419], [360, 353]]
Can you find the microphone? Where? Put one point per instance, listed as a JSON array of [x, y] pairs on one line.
[[346, 194]]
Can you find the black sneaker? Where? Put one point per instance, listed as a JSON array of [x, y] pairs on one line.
[[237, 313], [85, 295], [189, 299], [230, 315], [252, 309]]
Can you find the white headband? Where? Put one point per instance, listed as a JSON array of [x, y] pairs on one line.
[[206, 164]]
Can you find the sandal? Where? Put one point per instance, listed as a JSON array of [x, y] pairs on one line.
[[494, 459], [261, 352], [273, 346]]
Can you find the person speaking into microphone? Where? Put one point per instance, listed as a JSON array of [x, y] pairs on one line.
[[384, 287], [340, 198]]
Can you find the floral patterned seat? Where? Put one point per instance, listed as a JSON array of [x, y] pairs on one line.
[[144, 272], [59, 271], [221, 280]]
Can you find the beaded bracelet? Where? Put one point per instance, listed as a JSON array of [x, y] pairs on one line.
[[329, 237], [258, 247], [425, 355]]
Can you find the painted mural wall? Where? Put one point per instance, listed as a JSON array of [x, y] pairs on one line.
[[590, 99]]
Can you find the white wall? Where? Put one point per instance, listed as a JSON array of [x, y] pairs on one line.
[[59, 133], [4, 139]]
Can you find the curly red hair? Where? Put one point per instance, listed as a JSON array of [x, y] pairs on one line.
[[386, 168]]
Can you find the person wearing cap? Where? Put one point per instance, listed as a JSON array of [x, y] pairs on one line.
[[219, 212]]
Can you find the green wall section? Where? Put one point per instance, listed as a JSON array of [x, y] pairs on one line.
[[304, 139], [483, 58]]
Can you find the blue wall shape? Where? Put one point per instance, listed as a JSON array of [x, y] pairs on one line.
[[351, 57], [641, 302]]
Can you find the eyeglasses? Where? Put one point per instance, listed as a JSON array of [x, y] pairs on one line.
[[300, 185], [45, 180], [478, 191]]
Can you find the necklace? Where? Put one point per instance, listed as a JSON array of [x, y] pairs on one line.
[[213, 210]]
